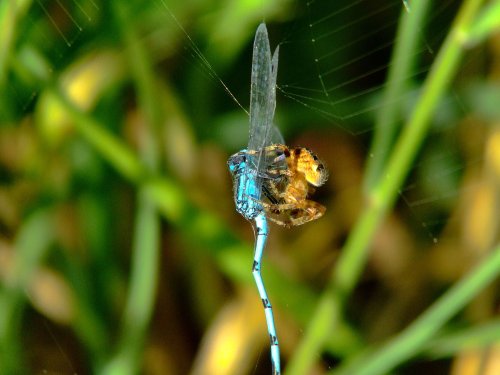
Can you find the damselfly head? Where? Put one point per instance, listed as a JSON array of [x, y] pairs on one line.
[[237, 162]]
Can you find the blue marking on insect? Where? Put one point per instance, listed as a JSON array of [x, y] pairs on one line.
[[248, 191], [248, 166]]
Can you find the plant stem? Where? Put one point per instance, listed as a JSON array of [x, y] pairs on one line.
[[11, 13], [448, 344], [409, 342], [400, 70], [354, 255], [142, 290], [32, 243], [145, 251]]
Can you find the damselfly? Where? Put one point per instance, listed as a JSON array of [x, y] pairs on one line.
[[271, 180]]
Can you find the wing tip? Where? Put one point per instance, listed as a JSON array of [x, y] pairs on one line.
[[262, 29]]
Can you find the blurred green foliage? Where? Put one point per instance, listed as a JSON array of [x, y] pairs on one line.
[[120, 251]]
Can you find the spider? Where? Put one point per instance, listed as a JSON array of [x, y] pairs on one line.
[[287, 187]]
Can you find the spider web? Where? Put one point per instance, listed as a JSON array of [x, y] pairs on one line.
[[351, 45], [337, 90]]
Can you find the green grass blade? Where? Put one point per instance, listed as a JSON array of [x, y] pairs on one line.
[[470, 338], [487, 21], [32, 244], [401, 67], [354, 255], [142, 290], [146, 247], [411, 341]]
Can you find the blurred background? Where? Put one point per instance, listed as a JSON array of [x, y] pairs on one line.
[[120, 248]]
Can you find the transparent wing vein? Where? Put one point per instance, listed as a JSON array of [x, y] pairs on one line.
[[263, 90]]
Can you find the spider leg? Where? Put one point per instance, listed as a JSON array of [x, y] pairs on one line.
[[279, 206], [279, 172], [272, 189], [310, 210], [270, 195], [293, 214], [283, 222]]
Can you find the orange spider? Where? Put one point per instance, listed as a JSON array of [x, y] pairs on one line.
[[288, 187]]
